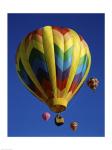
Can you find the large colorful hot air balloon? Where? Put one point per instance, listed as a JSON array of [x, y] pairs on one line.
[[53, 62]]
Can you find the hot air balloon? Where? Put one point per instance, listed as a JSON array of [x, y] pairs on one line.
[[74, 126], [53, 62], [46, 116], [93, 83]]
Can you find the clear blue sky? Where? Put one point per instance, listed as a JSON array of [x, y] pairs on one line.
[[87, 107]]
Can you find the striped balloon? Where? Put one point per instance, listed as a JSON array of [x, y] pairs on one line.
[[53, 62]]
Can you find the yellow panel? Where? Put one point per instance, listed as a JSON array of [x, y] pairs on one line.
[[83, 49], [38, 46], [48, 45], [29, 48], [68, 41], [58, 39], [69, 96]]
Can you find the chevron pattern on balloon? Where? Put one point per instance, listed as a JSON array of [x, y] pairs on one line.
[[24, 76], [79, 73], [39, 67]]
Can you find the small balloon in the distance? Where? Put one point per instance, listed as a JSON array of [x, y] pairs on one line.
[[93, 83], [46, 116], [74, 126]]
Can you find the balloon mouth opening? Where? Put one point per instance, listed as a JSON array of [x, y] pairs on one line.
[[58, 104], [58, 108]]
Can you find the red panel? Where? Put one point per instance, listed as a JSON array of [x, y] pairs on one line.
[[39, 31], [65, 30], [46, 84], [47, 88], [64, 82], [61, 84], [73, 87], [61, 30]]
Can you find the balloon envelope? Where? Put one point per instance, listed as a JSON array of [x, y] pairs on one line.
[[93, 83], [74, 126], [46, 116], [53, 62]]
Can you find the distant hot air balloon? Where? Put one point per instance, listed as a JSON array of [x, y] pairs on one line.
[[53, 62], [46, 116], [93, 83], [74, 126]]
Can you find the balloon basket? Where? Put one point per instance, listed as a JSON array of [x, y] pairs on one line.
[[59, 120]]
